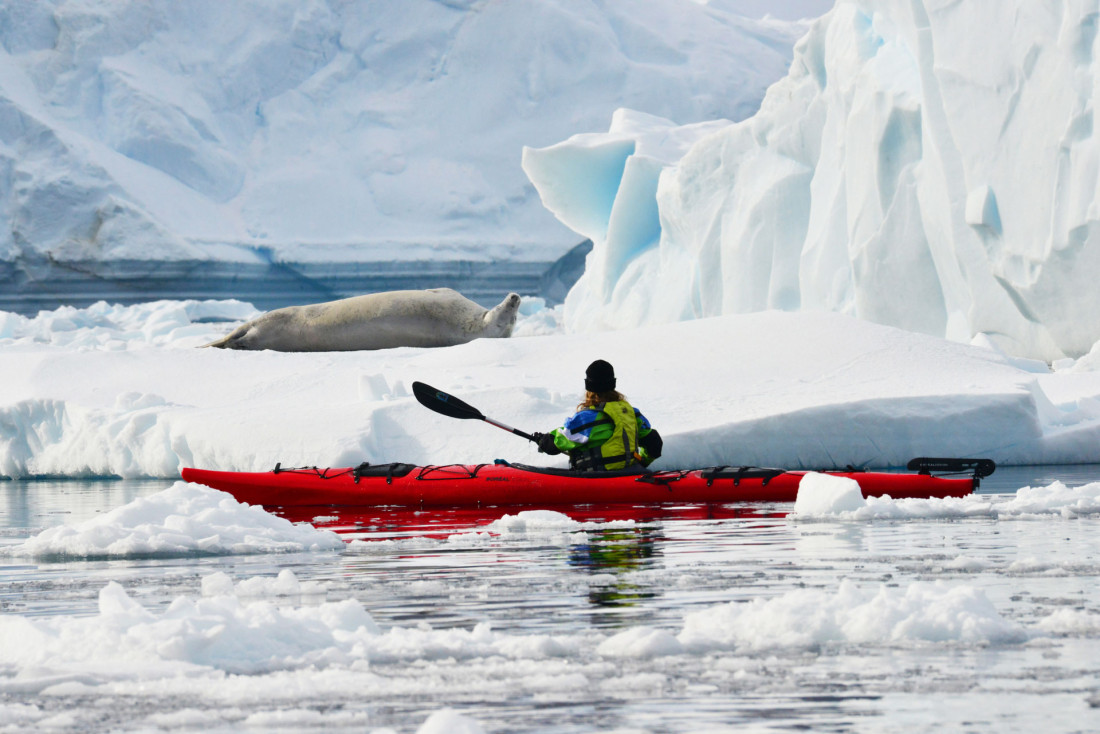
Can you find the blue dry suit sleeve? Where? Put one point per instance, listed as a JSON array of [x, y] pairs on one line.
[[578, 427]]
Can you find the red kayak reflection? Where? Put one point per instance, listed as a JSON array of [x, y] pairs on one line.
[[442, 522]]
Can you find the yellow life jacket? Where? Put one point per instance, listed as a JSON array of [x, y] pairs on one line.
[[620, 450]]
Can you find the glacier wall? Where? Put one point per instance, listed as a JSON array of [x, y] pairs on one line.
[[926, 164], [323, 130]]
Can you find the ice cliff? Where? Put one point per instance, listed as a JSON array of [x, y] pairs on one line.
[[926, 164], [321, 130]]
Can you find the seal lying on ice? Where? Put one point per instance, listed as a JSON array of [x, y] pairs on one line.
[[439, 317]]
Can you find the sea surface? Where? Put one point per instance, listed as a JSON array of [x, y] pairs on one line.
[[28, 286], [650, 573]]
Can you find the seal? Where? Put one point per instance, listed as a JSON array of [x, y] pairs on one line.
[[438, 317]]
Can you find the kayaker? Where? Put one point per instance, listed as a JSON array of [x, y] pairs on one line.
[[606, 433]]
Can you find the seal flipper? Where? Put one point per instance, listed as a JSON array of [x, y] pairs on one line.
[[230, 340]]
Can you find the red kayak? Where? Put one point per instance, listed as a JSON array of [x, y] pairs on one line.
[[480, 485]]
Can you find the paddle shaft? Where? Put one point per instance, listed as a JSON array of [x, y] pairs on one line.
[[508, 428]]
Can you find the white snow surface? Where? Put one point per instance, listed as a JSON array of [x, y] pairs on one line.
[[123, 391], [928, 165], [323, 130]]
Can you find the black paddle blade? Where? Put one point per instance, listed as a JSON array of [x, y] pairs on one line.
[[979, 467], [443, 403]]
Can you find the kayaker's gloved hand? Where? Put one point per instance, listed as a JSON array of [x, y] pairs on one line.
[[546, 443]]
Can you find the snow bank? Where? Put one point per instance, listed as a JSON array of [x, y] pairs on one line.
[[906, 171], [187, 519], [322, 131], [114, 327], [112, 391]]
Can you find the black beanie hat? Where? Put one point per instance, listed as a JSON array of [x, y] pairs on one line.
[[599, 377]]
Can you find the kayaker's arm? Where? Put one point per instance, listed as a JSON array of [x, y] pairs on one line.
[[584, 429], [650, 445]]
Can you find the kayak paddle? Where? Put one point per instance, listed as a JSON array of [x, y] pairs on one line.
[[452, 407]]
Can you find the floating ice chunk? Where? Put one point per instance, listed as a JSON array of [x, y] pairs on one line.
[[809, 617], [534, 520], [640, 642], [22, 717], [117, 609], [824, 494], [966, 564], [547, 523], [299, 719], [185, 519], [1071, 623], [217, 584], [219, 632], [1054, 499], [1032, 566], [285, 584], [449, 721]]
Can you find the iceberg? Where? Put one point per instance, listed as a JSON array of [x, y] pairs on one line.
[[332, 132], [906, 171]]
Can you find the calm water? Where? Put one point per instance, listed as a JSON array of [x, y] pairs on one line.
[[28, 286], [669, 563]]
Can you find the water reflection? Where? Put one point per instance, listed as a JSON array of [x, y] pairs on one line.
[[32, 505], [1008, 479], [440, 523], [617, 551]]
